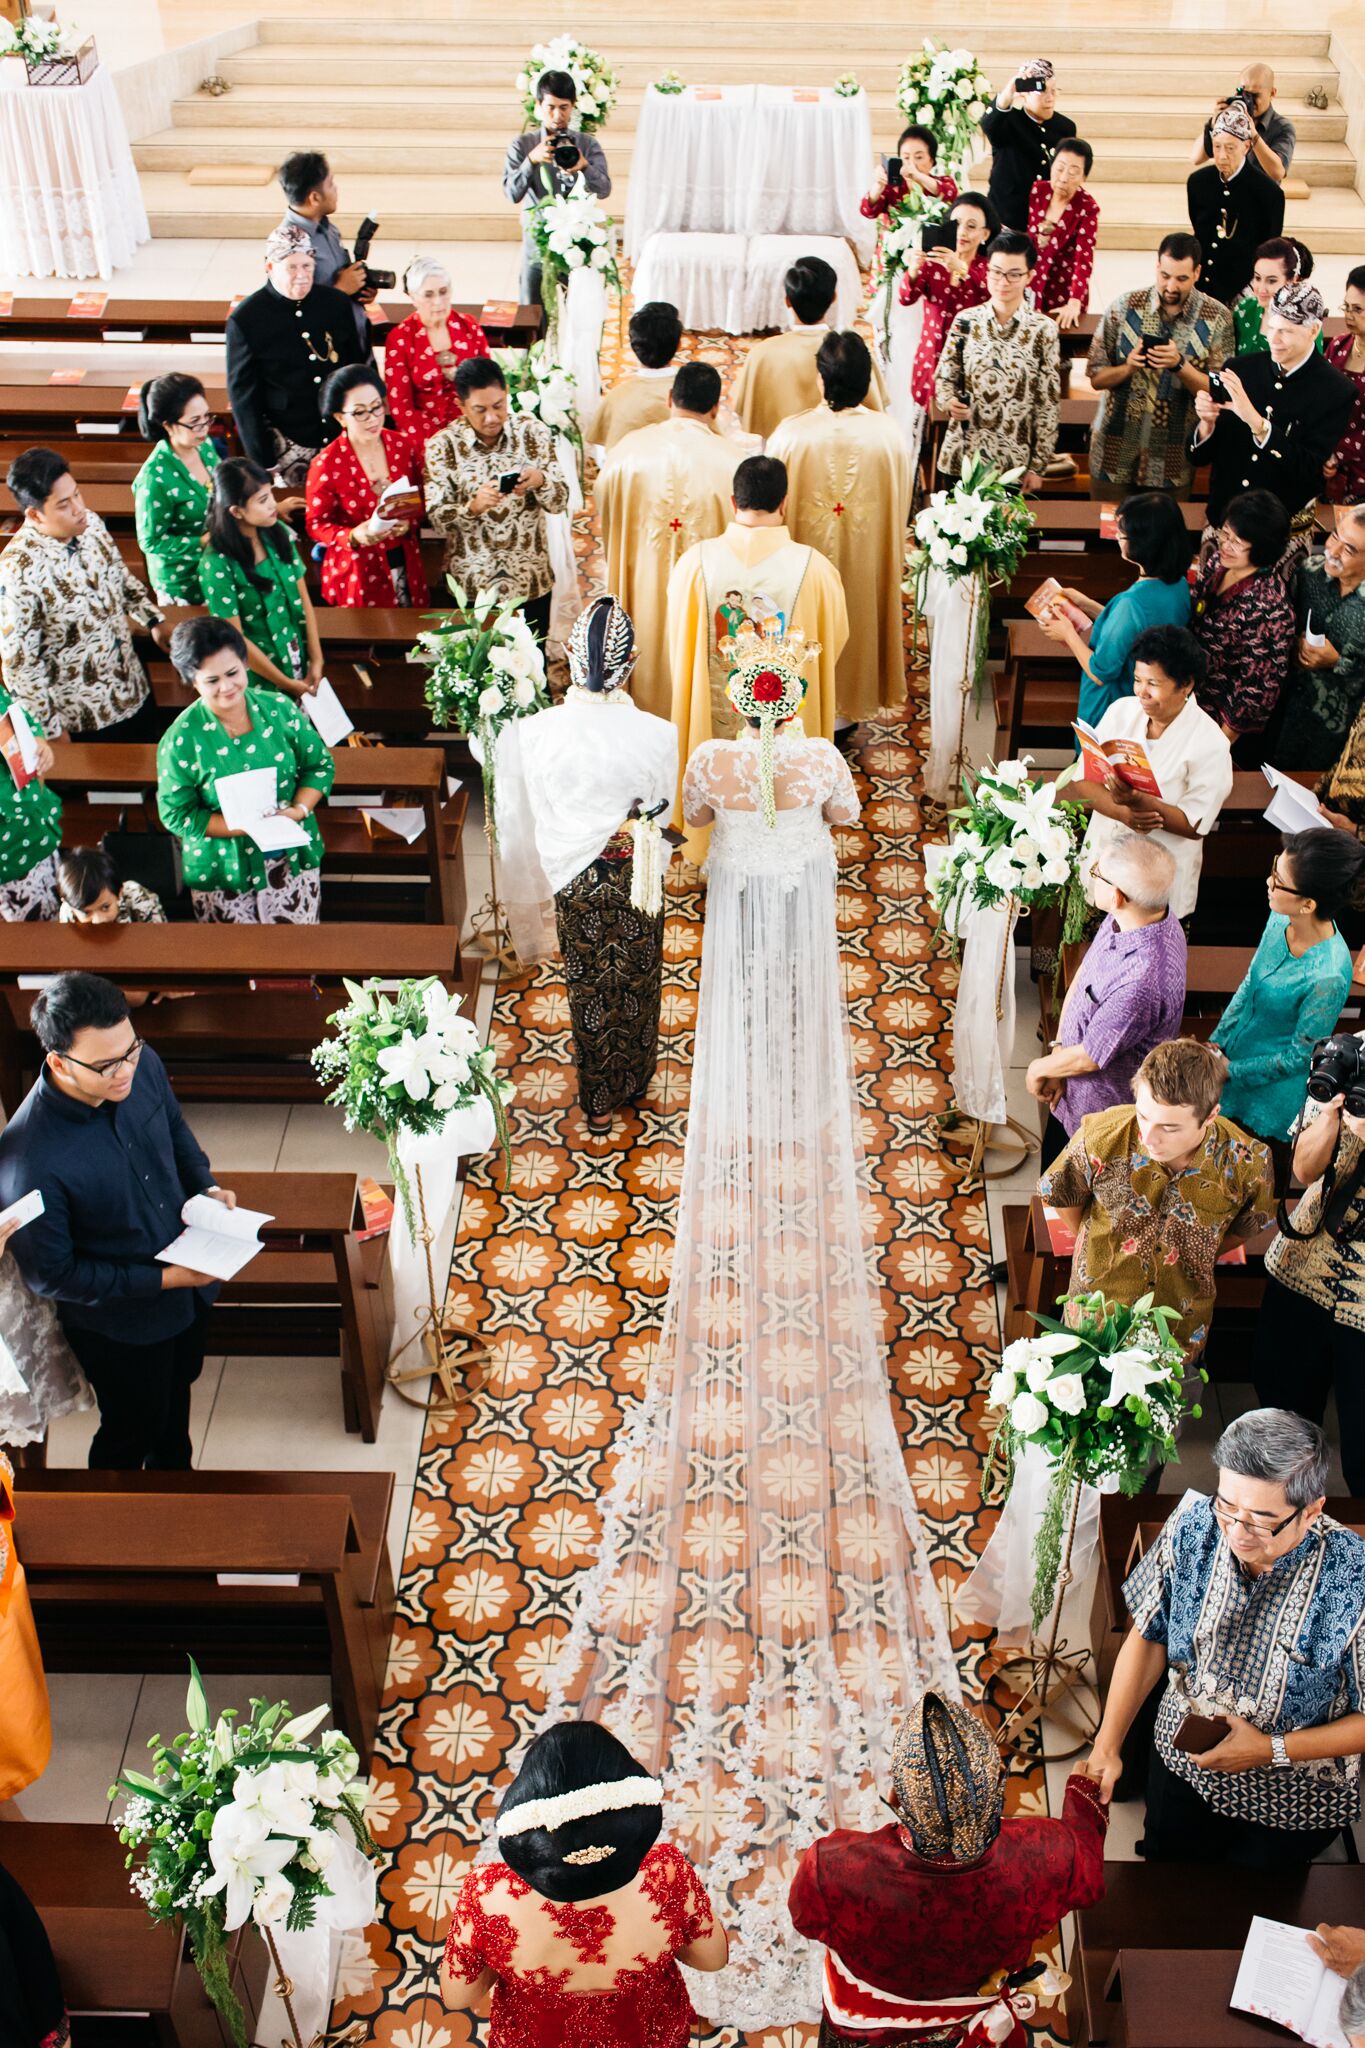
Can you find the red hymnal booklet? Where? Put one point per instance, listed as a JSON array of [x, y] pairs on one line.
[[87, 306], [6, 305], [377, 1209], [17, 746], [1109, 522], [1049, 597], [1116, 760], [498, 313]]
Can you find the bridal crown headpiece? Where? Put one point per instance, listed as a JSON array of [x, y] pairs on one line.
[[611, 1797]]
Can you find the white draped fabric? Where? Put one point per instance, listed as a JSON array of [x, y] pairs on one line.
[[982, 1040], [72, 205], [566, 595], [733, 284], [762, 1607], [438, 1153], [897, 357], [948, 608], [578, 336], [310, 1958], [999, 1589], [757, 160]]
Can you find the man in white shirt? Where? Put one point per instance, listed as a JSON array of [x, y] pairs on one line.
[[1189, 756]]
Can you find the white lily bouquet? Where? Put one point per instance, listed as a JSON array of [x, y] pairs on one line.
[[485, 666], [241, 1821], [671, 84], [1102, 1394], [36, 41], [1014, 837], [571, 232], [898, 242], [979, 528], [539, 388], [596, 82], [405, 1059], [947, 92]]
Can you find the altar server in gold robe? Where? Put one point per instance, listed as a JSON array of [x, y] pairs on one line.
[[754, 576], [661, 490], [639, 399], [849, 479], [779, 376]]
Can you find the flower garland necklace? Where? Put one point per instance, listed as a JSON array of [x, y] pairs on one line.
[[576, 694]]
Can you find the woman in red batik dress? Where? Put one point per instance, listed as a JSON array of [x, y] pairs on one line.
[[929, 1923], [369, 560], [578, 1933], [424, 351]]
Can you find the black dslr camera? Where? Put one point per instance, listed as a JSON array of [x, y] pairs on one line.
[[1338, 1068], [375, 280], [565, 152]]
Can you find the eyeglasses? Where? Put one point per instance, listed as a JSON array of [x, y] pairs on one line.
[[201, 419], [1096, 876], [1227, 535], [1005, 276], [1284, 887], [366, 412], [106, 1069], [1228, 1518]]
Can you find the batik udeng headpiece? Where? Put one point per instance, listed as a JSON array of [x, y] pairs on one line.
[[1301, 303], [1039, 71], [601, 647], [949, 1780], [288, 239], [766, 684], [1236, 121]]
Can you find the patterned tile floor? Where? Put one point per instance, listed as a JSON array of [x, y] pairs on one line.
[[566, 1272]]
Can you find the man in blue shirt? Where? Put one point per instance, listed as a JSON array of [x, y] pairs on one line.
[[546, 163], [102, 1138]]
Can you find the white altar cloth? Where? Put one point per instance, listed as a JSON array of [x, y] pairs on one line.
[[732, 284], [751, 160], [70, 202]]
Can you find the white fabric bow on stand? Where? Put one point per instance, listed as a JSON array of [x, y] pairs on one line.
[[999, 1588], [983, 1014], [309, 1959], [950, 607], [438, 1153]]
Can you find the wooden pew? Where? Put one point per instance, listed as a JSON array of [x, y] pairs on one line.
[[306, 1293], [124, 321], [231, 1041], [112, 1959], [416, 774], [31, 402], [125, 1571]]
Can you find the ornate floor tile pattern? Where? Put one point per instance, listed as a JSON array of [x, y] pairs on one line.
[[566, 1271]]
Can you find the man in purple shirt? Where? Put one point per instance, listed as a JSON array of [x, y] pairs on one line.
[[1127, 995]]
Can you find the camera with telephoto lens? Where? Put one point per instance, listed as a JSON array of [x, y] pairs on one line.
[[565, 152], [1338, 1068], [375, 280]]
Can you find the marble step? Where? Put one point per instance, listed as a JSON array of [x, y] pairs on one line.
[[456, 151]]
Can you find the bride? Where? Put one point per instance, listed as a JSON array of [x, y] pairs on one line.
[[761, 1608]]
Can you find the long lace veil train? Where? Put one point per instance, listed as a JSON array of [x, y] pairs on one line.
[[762, 1608]]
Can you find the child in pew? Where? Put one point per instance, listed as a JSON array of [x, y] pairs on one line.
[[91, 892], [252, 573]]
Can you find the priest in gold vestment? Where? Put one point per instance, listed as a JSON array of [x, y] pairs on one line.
[[753, 575], [640, 399], [779, 376], [849, 479], [660, 491]]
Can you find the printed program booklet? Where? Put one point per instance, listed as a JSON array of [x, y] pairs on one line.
[[1281, 1979], [1116, 760], [216, 1240]]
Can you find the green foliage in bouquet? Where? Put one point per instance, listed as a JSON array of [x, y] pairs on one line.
[[1013, 837], [980, 528]]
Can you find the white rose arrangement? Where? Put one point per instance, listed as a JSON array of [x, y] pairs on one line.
[[539, 388], [571, 232], [1014, 837], [1103, 1394], [979, 528], [37, 41], [947, 92], [597, 84], [240, 1821], [484, 666]]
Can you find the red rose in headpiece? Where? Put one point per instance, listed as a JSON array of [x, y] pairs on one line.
[[767, 688]]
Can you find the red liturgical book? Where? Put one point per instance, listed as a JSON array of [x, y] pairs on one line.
[[16, 744], [1109, 522], [1117, 760], [498, 313], [377, 1209], [67, 377], [6, 305], [87, 306]]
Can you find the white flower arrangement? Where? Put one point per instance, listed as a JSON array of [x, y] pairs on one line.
[[38, 41], [573, 233], [612, 1797], [670, 84], [1102, 1394], [486, 666], [596, 83], [979, 528], [1013, 838], [539, 388], [846, 86], [947, 92]]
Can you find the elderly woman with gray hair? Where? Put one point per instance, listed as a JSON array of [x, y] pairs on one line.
[[424, 351], [1126, 996], [1249, 1604]]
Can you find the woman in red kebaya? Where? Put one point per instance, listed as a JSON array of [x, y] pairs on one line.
[[1064, 220], [946, 282], [369, 560], [424, 351], [928, 1924], [577, 1935]]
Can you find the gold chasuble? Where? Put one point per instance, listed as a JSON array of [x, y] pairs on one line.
[[660, 491], [638, 401], [756, 576], [779, 378], [848, 494]]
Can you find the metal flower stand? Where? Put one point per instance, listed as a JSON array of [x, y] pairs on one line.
[[1048, 1676], [445, 1344]]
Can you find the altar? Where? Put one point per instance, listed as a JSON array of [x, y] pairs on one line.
[[74, 203]]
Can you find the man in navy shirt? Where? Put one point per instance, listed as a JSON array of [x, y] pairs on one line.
[[101, 1136]]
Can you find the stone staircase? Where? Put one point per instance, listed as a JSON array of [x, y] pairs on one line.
[[414, 110]]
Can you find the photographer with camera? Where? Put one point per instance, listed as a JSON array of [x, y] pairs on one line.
[[545, 162], [1023, 138], [1310, 1333], [1273, 147], [308, 184]]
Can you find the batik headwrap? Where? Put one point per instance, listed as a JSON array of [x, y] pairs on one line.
[[1234, 120], [288, 239], [1300, 303], [766, 684], [1039, 71], [601, 647], [949, 1780]]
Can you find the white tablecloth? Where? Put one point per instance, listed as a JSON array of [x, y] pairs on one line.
[[755, 161], [732, 284], [70, 203]]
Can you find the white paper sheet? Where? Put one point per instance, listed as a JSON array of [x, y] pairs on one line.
[[246, 796], [1292, 808], [216, 1240], [327, 712], [1281, 1979], [407, 823], [23, 733], [275, 833]]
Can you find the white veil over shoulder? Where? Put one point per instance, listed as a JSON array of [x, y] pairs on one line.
[[762, 1610]]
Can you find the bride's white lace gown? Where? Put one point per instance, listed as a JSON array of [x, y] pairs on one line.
[[762, 1607]]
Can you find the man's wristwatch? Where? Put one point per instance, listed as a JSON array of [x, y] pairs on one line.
[[1279, 1755]]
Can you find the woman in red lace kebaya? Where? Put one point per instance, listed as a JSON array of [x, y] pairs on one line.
[[928, 1924], [578, 1933]]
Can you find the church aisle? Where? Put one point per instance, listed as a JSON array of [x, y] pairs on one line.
[[567, 1272]]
